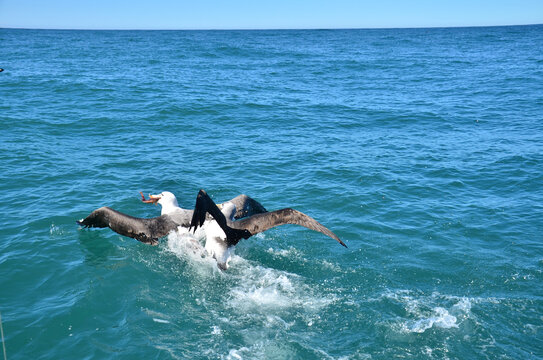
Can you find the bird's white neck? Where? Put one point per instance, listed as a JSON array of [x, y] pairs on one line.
[[169, 207]]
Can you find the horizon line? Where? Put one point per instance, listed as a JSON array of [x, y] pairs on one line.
[[270, 29]]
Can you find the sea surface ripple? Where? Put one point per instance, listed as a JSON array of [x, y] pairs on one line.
[[421, 148]]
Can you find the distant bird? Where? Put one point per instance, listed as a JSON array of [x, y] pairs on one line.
[[235, 230], [1, 70]]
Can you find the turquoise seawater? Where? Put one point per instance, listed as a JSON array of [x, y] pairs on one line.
[[422, 149]]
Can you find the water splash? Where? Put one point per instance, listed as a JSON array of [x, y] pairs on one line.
[[188, 247], [424, 312], [440, 318]]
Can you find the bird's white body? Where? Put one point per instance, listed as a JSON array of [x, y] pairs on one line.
[[215, 243]]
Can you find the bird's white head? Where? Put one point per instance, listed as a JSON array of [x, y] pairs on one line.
[[167, 200]]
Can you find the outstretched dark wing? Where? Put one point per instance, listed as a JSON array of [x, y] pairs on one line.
[[204, 204], [246, 206], [261, 222], [249, 226], [144, 230]]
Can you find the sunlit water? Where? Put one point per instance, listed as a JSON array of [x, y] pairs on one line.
[[422, 149]]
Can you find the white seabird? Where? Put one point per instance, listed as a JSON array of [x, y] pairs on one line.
[[241, 217]]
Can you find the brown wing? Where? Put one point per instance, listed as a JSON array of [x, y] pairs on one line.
[[249, 226], [145, 230], [246, 206], [261, 222]]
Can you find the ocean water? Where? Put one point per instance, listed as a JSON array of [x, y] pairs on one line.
[[421, 148]]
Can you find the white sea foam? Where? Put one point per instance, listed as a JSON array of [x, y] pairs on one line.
[[262, 300], [464, 305], [55, 230], [157, 316], [162, 321], [440, 318], [267, 303], [272, 349], [255, 289], [187, 246], [426, 312], [262, 349], [237, 353], [289, 253], [273, 321], [261, 289], [215, 330]]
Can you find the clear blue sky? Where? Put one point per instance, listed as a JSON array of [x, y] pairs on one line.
[[264, 14]]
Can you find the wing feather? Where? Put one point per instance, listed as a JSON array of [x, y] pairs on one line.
[[257, 223], [204, 205], [246, 206], [261, 222], [145, 230]]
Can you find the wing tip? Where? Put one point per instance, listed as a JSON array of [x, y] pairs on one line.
[[335, 237]]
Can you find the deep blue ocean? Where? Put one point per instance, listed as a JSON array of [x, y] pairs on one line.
[[422, 149]]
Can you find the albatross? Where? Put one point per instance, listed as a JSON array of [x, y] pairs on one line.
[[224, 224], [233, 230], [149, 230]]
